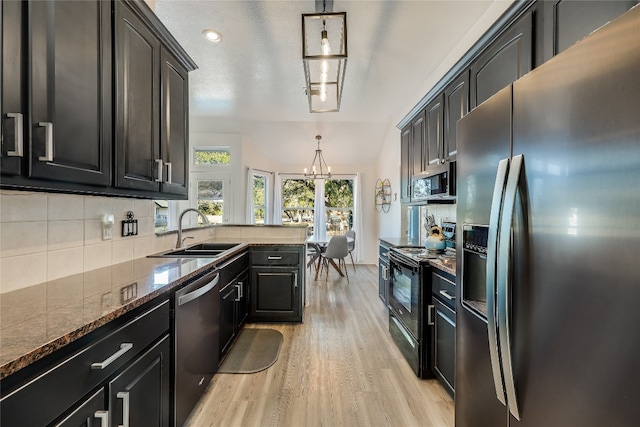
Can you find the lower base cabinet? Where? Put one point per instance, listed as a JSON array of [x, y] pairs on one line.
[[277, 279], [117, 375]]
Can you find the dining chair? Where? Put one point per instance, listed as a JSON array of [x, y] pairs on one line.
[[336, 249], [351, 245], [313, 253]]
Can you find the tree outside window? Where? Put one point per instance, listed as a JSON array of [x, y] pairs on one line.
[[298, 204], [259, 193]]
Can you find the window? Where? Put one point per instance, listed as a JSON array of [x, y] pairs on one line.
[[298, 203], [211, 156], [210, 199], [259, 197], [338, 198]]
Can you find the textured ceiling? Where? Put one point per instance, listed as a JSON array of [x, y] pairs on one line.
[[252, 82]]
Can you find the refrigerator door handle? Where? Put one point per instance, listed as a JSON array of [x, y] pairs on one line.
[[492, 257], [505, 285]]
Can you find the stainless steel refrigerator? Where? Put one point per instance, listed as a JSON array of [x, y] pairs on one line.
[[548, 309]]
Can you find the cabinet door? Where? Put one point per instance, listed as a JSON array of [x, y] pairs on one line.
[[274, 293], [141, 391], [456, 106], [243, 300], [405, 167], [228, 297], [418, 151], [137, 145], [92, 412], [174, 135], [434, 135], [507, 59], [444, 349], [383, 280], [13, 87], [71, 91], [566, 22]]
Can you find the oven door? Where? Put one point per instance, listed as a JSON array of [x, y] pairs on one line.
[[404, 284]]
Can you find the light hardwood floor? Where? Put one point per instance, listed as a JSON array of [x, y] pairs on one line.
[[338, 368]]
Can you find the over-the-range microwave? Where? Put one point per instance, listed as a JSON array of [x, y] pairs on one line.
[[437, 183]]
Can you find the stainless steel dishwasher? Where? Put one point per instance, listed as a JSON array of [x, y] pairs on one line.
[[196, 327]]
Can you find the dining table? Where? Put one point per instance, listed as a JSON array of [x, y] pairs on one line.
[[320, 244]]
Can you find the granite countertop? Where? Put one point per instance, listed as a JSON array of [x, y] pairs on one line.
[[37, 320]]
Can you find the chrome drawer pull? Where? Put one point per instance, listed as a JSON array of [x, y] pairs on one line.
[[17, 131], [447, 295], [430, 309], [124, 347], [48, 138], [274, 258], [124, 395], [104, 418]]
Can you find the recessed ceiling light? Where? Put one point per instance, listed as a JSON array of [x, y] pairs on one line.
[[212, 35]]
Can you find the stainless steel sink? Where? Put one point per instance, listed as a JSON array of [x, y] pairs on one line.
[[200, 250]]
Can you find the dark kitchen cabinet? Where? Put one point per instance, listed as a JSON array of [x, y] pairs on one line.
[[434, 140], [56, 78], [13, 87], [70, 122], [383, 273], [277, 279], [128, 359], [140, 394], [418, 143], [568, 21], [151, 110], [444, 328], [456, 106], [137, 131], [505, 60], [234, 300], [405, 166]]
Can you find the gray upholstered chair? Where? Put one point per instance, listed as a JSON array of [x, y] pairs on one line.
[[336, 249], [352, 245]]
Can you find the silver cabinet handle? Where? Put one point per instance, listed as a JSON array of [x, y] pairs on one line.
[[430, 309], [503, 301], [168, 164], [274, 258], [17, 131], [385, 273], [159, 167], [447, 295], [48, 140], [124, 347], [183, 299], [239, 293], [240, 289], [492, 257], [124, 395], [295, 280], [103, 416]]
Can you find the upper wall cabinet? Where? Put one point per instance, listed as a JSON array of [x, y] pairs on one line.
[[152, 96], [504, 61], [456, 106], [418, 144], [12, 88], [434, 141], [405, 167], [568, 21], [67, 136], [66, 68]]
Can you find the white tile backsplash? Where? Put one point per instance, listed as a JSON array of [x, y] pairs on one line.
[[65, 207], [64, 262], [65, 234], [97, 207], [97, 256], [17, 206], [21, 271], [22, 238]]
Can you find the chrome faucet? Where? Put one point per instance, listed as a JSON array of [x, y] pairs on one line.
[[180, 240]]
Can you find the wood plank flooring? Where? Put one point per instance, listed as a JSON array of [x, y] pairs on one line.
[[338, 368]]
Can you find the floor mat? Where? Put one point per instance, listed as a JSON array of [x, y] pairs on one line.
[[254, 351]]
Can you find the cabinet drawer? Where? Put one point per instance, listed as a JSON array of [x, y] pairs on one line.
[[230, 269], [444, 289], [275, 258], [61, 385]]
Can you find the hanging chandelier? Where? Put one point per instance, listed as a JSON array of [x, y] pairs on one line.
[[324, 56], [319, 168]]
